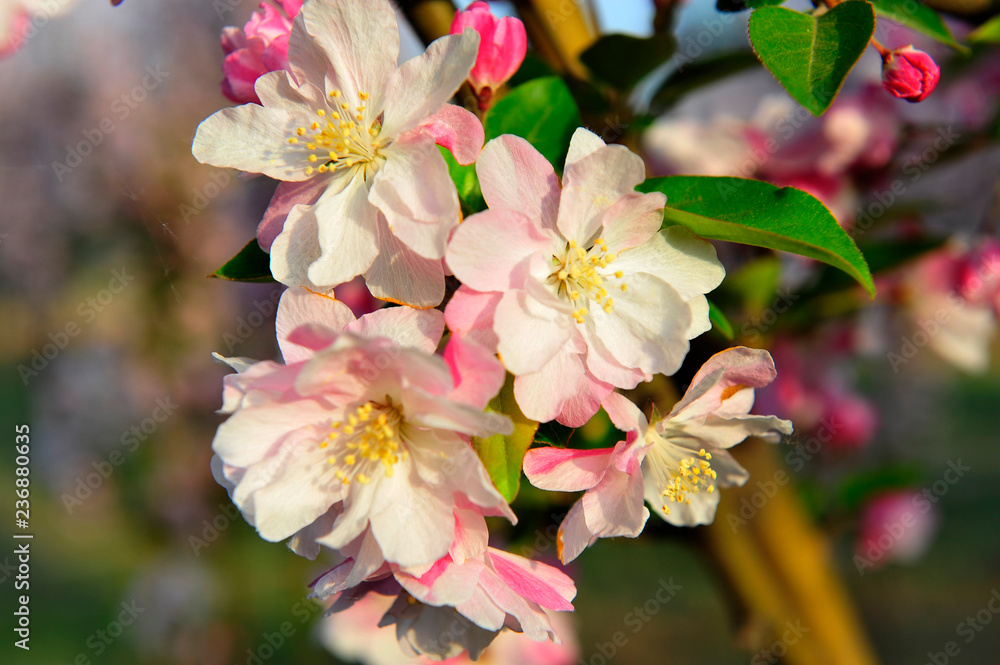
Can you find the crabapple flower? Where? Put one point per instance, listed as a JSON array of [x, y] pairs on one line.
[[260, 47], [355, 438], [576, 285], [352, 136], [502, 46], [474, 583], [17, 20], [675, 464], [909, 74]]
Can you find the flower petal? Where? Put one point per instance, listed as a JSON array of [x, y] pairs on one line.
[[530, 332], [287, 196], [415, 328], [361, 42], [566, 469], [251, 138], [492, 250], [456, 129], [417, 196], [346, 223], [300, 306], [400, 275], [515, 176], [422, 85]]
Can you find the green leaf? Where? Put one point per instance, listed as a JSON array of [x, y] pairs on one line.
[[757, 213], [541, 111], [812, 55], [918, 17], [503, 455], [466, 182], [720, 322], [754, 4], [988, 32], [624, 60], [251, 264]]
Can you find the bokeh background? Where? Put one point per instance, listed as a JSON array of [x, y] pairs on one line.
[[107, 232]]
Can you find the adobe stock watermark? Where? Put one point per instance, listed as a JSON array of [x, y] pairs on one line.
[[101, 640], [88, 310], [796, 459], [923, 503], [930, 327], [228, 513], [272, 641], [969, 629], [40, 15], [201, 197], [779, 648], [761, 323], [121, 107], [130, 441], [914, 168], [246, 325], [635, 620]]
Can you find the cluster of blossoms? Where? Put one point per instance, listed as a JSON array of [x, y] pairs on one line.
[[359, 442]]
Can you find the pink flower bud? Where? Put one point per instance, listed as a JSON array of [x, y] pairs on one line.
[[260, 47], [502, 46], [909, 74]]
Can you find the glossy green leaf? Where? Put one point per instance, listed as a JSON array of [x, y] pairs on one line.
[[754, 4], [919, 17], [987, 33], [466, 183], [624, 60], [757, 213], [812, 55], [720, 322], [503, 455], [251, 264], [541, 111]]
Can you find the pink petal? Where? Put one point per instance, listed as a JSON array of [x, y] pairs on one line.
[[566, 469], [477, 373], [299, 306], [531, 333], [539, 583], [408, 327], [492, 250], [287, 196], [456, 129], [515, 176], [470, 313]]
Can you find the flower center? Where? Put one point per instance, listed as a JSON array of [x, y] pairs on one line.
[[679, 476], [366, 439], [341, 139], [581, 276]]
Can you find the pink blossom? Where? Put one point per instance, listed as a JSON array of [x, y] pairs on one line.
[[474, 590], [895, 526], [502, 47], [260, 47], [352, 136], [675, 465], [357, 439], [909, 74], [574, 285]]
